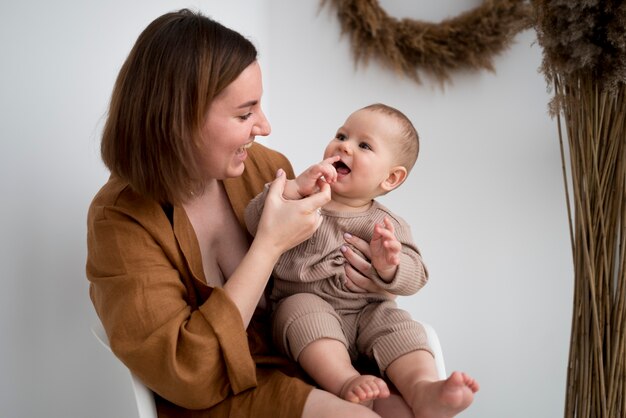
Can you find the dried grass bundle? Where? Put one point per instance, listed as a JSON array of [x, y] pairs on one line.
[[467, 41], [584, 44]]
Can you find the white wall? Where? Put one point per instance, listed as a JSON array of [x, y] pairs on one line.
[[485, 200]]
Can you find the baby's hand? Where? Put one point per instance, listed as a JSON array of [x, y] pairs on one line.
[[385, 249], [307, 181]]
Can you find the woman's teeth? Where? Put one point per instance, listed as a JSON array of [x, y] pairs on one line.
[[243, 148]]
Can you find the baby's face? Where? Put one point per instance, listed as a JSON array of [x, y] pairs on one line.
[[365, 145]]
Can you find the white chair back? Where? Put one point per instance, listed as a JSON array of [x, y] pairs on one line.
[[435, 345], [144, 398]]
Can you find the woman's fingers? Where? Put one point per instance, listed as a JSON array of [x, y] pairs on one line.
[[286, 223], [278, 185], [354, 280], [359, 244], [308, 204], [359, 263], [319, 198], [359, 271], [358, 283]]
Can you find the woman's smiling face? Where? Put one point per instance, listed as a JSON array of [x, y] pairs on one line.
[[233, 120]]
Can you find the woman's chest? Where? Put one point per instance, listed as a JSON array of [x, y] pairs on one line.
[[220, 238]]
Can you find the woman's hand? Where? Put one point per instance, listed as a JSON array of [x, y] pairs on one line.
[[286, 223], [307, 183], [359, 270]]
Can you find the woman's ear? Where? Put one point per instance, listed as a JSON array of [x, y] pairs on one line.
[[396, 177]]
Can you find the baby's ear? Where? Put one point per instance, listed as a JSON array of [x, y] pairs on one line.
[[396, 177]]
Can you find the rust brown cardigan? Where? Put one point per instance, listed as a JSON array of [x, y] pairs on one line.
[[184, 339]]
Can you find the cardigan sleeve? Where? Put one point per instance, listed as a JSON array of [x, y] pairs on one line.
[[194, 358]]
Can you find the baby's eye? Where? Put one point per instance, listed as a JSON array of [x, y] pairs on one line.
[[340, 137], [246, 116], [365, 145]]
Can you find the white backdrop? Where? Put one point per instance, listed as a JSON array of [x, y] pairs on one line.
[[485, 200]]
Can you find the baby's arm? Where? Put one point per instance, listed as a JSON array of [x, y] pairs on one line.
[[307, 182]]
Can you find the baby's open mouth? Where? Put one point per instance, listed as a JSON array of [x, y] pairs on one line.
[[341, 167]]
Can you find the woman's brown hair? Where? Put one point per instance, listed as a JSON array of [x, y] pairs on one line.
[[178, 65]]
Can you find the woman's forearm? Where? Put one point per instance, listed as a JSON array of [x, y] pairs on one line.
[[247, 283]]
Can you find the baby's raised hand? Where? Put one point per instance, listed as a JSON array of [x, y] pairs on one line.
[[385, 250], [307, 181]]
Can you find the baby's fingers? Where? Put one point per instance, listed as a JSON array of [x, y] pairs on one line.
[[388, 225], [383, 233], [328, 169], [331, 160]]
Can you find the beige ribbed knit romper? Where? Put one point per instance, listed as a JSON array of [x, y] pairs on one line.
[[311, 301]]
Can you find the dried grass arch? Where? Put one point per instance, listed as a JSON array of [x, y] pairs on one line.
[[467, 41]]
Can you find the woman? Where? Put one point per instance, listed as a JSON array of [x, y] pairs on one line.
[[174, 278]]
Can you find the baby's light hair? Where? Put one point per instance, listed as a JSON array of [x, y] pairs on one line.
[[408, 144]]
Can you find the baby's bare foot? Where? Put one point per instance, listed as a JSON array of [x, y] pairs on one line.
[[444, 398], [364, 389]]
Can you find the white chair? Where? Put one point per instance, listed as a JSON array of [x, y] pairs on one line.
[[435, 345], [144, 398]]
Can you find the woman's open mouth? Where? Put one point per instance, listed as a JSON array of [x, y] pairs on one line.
[[243, 148]]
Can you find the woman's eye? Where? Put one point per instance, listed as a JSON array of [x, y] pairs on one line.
[[365, 145], [246, 116]]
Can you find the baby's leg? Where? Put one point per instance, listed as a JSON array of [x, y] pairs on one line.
[[327, 361], [415, 376]]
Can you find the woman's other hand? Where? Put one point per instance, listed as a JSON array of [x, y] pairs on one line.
[[359, 270]]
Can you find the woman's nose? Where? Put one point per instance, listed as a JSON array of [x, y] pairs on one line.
[[262, 127]]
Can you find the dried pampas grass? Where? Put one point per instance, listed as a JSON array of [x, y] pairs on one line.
[[468, 41], [584, 44]]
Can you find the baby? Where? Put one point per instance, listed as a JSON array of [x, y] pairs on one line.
[[325, 325]]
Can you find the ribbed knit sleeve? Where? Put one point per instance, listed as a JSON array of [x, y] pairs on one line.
[[254, 210]]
